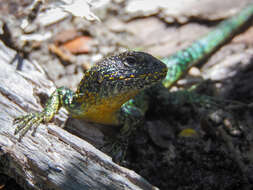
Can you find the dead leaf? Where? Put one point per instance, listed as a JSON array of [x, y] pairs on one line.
[[78, 45]]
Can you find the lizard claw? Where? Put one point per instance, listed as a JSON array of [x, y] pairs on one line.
[[116, 148], [24, 123]]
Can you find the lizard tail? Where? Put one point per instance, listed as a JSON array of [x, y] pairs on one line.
[[180, 62]]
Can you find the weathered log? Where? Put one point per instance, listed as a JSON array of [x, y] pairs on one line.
[[53, 158]]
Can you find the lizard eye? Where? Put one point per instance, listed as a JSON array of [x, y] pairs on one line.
[[130, 61]]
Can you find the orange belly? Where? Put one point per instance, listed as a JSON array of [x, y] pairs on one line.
[[104, 111], [99, 114]]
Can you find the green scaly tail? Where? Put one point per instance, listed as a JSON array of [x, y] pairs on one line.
[[180, 62]]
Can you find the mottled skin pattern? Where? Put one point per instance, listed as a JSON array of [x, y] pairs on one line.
[[111, 83], [105, 92]]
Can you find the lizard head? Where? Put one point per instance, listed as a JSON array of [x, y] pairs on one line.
[[130, 71], [122, 75]]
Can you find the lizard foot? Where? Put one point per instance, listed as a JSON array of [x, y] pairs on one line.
[[24, 123], [116, 148]]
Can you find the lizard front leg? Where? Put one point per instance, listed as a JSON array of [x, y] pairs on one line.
[[130, 118], [60, 97]]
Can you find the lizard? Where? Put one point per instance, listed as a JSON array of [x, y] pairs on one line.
[[116, 91]]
